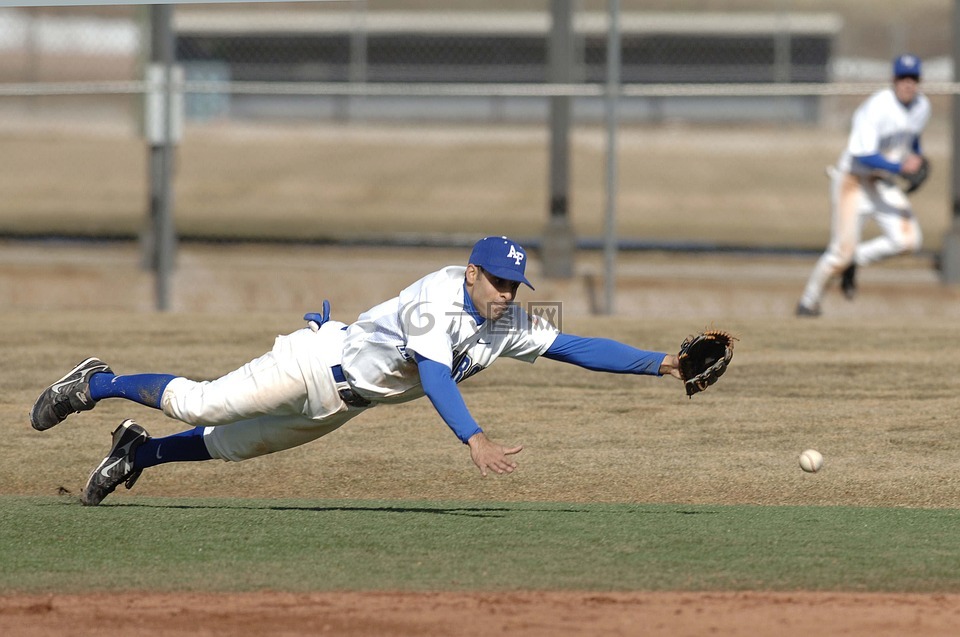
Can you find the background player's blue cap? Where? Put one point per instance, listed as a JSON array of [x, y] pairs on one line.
[[501, 257], [907, 66]]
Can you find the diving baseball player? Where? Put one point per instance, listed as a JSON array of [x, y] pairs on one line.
[[437, 332], [884, 141]]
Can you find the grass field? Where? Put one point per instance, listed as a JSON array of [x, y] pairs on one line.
[[175, 544], [635, 511], [862, 393], [632, 506], [625, 486]]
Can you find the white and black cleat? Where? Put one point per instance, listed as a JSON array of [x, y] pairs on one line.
[[848, 281], [69, 395], [807, 312], [118, 466]]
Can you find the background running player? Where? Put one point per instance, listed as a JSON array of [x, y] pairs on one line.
[[437, 332], [884, 141]]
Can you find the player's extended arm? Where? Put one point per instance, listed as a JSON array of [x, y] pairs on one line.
[[910, 163], [607, 355], [442, 391]]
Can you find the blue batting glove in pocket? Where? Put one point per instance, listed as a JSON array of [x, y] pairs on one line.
[[315, 320]]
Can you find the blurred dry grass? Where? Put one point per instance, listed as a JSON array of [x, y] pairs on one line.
[[725, 185], [877, 396]]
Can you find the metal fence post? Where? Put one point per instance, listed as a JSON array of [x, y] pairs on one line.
[[950, 256], [558, 245], [159, 244], [611, 102]]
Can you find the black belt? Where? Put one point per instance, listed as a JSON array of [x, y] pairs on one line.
[[347, 394]]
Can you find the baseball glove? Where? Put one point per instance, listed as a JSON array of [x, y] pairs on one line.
[[704, 358], [913, 181]]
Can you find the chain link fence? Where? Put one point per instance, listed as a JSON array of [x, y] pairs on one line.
[[345, 120]]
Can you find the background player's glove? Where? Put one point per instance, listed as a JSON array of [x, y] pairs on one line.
[[315, 320], [704, 358], [912, 181]]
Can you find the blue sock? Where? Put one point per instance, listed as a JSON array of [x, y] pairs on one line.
[[186, 446], [145, 389]]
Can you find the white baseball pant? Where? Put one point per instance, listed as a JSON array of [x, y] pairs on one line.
[[854, 200], [283, 399]]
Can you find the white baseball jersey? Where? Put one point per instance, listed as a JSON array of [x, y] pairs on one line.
[[883, 125], [429, 318], [289, 396]]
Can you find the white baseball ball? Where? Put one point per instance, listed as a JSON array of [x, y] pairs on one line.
[[811, 461]]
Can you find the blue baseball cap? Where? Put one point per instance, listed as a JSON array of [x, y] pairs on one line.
[[907, 66], [501, 257]]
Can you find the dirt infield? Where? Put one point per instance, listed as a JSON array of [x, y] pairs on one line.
[[539, 614]]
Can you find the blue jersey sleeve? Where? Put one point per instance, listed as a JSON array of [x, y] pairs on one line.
[[605, 355], [878, 162], [442, 391]]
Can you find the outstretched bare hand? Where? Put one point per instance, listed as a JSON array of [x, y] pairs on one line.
[[911, 164], [671, 366], [490, 456]]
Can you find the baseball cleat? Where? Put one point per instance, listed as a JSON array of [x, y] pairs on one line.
[[117, 467], [848, 281], [803, 310], [69, 395]]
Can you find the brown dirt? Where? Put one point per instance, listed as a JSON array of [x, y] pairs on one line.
[[538, 614]]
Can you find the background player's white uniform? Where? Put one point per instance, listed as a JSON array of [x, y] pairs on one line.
[[291, 396], [880, 125]]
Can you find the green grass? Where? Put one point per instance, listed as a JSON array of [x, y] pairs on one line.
[[53, 544]]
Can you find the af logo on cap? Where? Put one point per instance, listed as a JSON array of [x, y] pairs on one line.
[[501, 257]]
